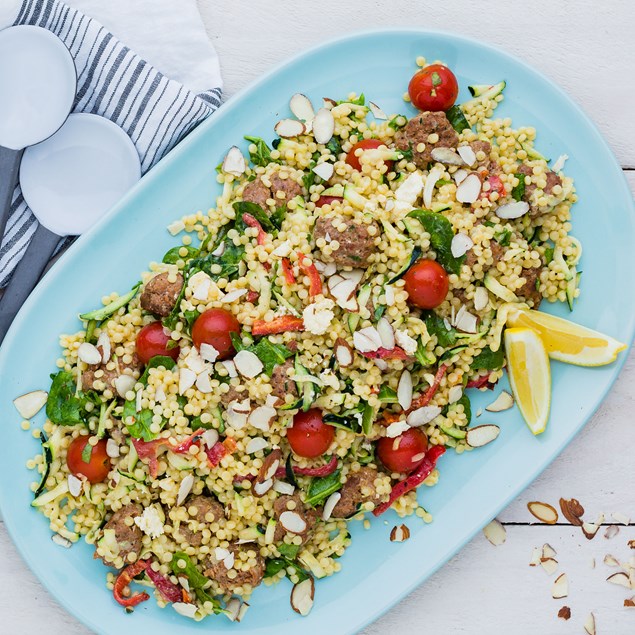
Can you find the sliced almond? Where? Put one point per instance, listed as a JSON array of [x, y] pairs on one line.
[[431, 180], [459, 176], [610, 561], [481, 435], [232, 608], [544, 512], [467, 154], [621, 518], [31, 403], [404, 390], [210, 437], [323, 126], [367, 340], [560, 587], [378, 113], [256, 444], [591, 529], [454, 394], [204, 383], [301, 106], [536, 554], [61, 541], [396, 429], [293, 522], [447, 156], [495, 533], [248, 364], [329, 103], [75, 485], [465, 321], [289, 128], [548, 551], [112, 449], [185, 488], [282, 487], [504, 401], [244, 607], [103, 342], [208, 352], [589, 624], [302, 596], [512, 210], [187, 378], [324, 170], [469, 189], [343, 353], [572, 510], [423, 415], [261, 488], [564, 613], [330, 504], [461, 244], [124, 384], [481, 298], [89, 354], [619, 578], [264, 481], [629, 602], [550, 565], [261, 417], [386, 334], [237, 413], [234, 162], [399, 533], [611, 531]]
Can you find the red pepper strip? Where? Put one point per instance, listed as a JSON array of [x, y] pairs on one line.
[[250, 221], [124, 579], [315, 282], [186, 444], [481, 382], [287, 271], [149, 450], [220, 450], [424, 400], [424, 469], [170, 591], [387, 353], [252, 296], [495, 185], [282, 324], [322, 470]]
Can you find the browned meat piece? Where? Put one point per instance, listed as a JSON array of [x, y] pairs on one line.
[[232, 395], [287, 186], [481, 146], [128, 537], [359, 488], [107, 376], [307, 514], [497, 253], [257, 192], [281, 384], [208, 510], [159, 295], [356, 244], [552, 180], [417, 131], [530, 290], [246, 574]]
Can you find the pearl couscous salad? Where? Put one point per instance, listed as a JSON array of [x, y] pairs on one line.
[[304, 357]]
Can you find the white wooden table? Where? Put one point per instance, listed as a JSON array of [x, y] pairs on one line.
[[590, 52]]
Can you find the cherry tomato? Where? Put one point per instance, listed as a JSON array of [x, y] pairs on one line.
[[427, 284], [152, 341], [433, 88], [365, 144], [403, 453], [327, 200], [309, 436], [214, 327], [98, 466]]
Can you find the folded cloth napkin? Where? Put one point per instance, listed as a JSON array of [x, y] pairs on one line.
[[113, 81]]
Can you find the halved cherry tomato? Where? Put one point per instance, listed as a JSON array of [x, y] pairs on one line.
[[365, 144], [433, 88], [403, 453], [98, 466], [309, 436], [152, 341], [328, 200], [427, 284], [214, 327]]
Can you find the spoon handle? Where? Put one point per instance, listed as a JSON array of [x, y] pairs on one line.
[[26, 275], [9, 168]]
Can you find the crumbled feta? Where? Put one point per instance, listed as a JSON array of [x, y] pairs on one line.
[[282, 250], [150, 522], [396, 428], [194, 361], [409, 344], [176, 227], [318, 316], [209, 353]]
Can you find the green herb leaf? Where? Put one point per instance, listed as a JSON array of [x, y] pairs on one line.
[[441, 235], [277, 218], [387, 394], [158, 360], [398, 122], [289, 551], [172, 256], [518, 192], [436, 79], [321, 488], [467, 407], [503, 238], [423, 355], [334, 146], [359, 101], [87, 452], [138, 423], [262, 155], [246, 207], [63, 405], [368, 416], [457, 119], [271, 355], [273, 566], [182, 565], [436, 326], [487, 359], [548, 254]]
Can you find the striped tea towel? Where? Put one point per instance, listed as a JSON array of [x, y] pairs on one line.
[[113, 81]]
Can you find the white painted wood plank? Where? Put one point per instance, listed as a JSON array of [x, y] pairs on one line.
[[587, 51]]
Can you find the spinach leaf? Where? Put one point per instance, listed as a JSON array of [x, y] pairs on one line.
[[487, 359], [273, 566], [262, 155], [182, 565], [503, 237], [387, 394], [334, 146], [467, 407], [270, 354], [441, 235], [457, 118], [246, 207], [277, 218], [423, 355], [172, 256], [436, 326], [138, 423], [518, 192], [321, 488], [158, 360], [64, 406], [416, 254], [289, 551], [395, 122]]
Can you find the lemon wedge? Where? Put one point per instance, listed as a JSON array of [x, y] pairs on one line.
[[529, 376], [566, 341]]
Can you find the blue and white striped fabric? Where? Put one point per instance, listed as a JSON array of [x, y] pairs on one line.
[[114, 82]]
